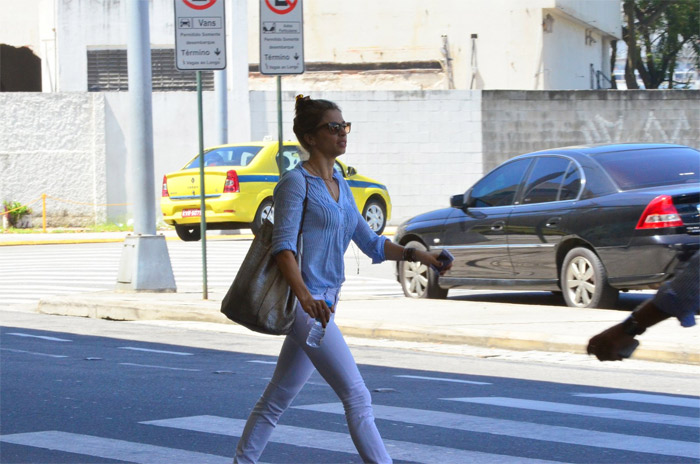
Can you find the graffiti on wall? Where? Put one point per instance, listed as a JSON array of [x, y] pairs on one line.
[[650, 129]]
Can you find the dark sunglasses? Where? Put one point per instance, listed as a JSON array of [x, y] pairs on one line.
[[336, 127]]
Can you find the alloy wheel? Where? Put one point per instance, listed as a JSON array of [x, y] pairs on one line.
[[415, 278], [580, 281], [375, 217]]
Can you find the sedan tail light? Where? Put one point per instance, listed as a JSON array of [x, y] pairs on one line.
[[660, 213], [164, 192], [231, 184]]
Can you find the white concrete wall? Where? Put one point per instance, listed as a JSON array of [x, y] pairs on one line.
[[73, 145], [55, 144], [404, 140]]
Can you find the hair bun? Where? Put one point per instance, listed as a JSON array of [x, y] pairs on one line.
[[300, 100]]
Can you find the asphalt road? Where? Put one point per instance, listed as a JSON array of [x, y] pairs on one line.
[[100, 391]]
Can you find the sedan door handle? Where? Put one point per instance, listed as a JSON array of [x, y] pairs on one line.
[[498, 226], [552, 222]]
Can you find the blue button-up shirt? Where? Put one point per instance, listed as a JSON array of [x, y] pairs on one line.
[[328, 228]]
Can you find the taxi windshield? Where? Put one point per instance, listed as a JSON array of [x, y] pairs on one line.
[[226, 156]]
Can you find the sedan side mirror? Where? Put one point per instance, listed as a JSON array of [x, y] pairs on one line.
[[351, 171], [457, 201]]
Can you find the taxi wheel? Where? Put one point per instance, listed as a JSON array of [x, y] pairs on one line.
[[265, 211], [417, 279], [188, 233], [375, 215]]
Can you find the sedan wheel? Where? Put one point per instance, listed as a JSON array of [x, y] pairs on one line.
[[375, 215], [417, 279], [584, 281]]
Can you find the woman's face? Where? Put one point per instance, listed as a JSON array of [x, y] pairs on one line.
[[325, 141]]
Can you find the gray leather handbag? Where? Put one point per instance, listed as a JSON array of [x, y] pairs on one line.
[[260, 298]]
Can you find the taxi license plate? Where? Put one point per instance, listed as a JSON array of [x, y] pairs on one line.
[[191, 213]]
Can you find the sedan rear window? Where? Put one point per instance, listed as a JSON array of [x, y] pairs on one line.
[[637, 169], [226, 156]]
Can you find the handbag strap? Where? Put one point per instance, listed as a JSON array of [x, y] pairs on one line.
[[303, 211]]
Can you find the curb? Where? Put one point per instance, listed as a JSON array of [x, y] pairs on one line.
[[208, 311]]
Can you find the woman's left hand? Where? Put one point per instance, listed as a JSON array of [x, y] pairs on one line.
[[430, 257]]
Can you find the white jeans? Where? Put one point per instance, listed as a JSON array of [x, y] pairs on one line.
[[295, 365]]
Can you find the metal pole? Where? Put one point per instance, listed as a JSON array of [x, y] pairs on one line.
[[141, 140], [202, 191], [221, 90], [279, 124], [145, 263]]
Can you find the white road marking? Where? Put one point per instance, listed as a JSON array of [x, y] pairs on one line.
[[43, 337], [160, 367], [645, 398], [262, 362], [34, 353], [583, 410], [442, 379], [132, 348], [340, 442], [108, 448], [528, 430]]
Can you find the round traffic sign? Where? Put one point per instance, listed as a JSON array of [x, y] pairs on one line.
[[199, 4], [290, 4]]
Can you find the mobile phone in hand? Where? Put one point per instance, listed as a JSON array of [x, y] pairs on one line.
[[626, 351], [445, 259]]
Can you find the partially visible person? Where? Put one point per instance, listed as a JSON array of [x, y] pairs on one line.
[[678, 298]]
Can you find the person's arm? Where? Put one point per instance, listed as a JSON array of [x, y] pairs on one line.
[[292, 274], [678, 297], [606, 346], [396, 252]]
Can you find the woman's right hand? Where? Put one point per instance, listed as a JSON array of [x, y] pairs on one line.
[[317, 309]]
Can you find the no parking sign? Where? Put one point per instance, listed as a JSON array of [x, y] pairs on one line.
[[200, 34], [281, 37]]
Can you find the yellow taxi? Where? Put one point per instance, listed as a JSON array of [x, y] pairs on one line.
[[239, 180]]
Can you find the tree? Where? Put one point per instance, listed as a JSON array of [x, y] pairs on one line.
[[656, 32]]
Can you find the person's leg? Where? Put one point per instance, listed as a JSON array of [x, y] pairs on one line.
[[335, 363], [292, 371]]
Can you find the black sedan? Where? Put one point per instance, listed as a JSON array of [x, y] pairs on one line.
[[586, 221]]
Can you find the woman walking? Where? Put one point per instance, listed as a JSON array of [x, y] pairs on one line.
[[331, 220]]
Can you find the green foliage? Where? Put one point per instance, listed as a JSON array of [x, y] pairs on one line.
[[656, 33], [16, 212]]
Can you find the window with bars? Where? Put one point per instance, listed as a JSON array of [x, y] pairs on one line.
[[107, 71]]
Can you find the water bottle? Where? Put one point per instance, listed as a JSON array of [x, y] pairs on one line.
[[317, 331]]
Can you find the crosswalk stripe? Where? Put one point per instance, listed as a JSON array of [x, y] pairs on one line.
[[40, 272], [582, 410], [108, 448], [528, 430], [646, 398], [441, 379], [340, 442]]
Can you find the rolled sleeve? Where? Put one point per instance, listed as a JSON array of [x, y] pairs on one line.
[[289, 197], [680, 297], [368, 241]]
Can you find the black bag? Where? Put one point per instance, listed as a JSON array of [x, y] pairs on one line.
[[260, 298]]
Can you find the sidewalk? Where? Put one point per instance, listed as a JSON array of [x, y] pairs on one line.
[[451, 321], [493, 325]]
